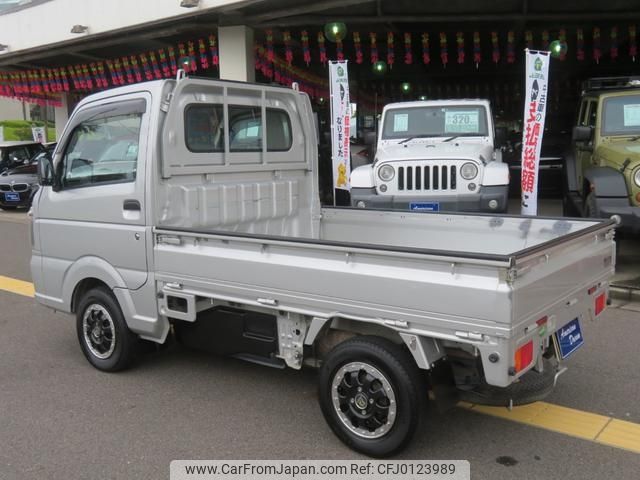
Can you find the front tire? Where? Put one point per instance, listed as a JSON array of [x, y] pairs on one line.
[[104, 337], [370, 395]]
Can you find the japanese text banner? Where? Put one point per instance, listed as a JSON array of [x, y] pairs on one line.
[[535, 103], [340, 124]]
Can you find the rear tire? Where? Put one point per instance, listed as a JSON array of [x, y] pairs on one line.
[[371, 395], [104, 337]]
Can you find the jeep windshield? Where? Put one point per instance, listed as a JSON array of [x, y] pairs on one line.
[[621, 115], [435, 121]]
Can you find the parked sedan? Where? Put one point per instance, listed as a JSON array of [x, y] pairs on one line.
[[15, 153], [19, 184]]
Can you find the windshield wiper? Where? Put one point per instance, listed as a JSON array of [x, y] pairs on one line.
[[451, 138], [408, 139]]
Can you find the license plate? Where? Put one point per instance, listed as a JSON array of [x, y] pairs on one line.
[[11, 197], [424, 207], [569, 338]]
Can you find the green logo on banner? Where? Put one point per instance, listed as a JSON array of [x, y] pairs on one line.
[[537, 64], [340, 71]]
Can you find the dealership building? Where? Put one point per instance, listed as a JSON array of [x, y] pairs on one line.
[[55, 52]]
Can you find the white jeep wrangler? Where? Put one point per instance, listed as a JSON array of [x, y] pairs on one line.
[[434, 156]]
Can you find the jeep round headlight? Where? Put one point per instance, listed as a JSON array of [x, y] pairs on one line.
[[386, 173], [469, 171], [636, 177]]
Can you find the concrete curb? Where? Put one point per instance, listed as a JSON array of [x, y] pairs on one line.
[[628, 294]]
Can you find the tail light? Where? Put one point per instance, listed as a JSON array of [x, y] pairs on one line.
[[524, 356], [601, 301]]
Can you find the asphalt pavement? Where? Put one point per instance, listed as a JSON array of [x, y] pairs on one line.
[[62, 419]]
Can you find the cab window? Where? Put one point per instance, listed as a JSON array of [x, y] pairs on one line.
[[102, 150]]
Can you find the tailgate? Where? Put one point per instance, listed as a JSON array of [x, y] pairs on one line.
[[559, 278]]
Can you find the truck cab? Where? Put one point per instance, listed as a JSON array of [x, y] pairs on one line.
[[434, 156], [603, 168]]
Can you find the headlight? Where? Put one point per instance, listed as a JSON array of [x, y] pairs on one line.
[[386, 173], [636, 177], [469, 171]]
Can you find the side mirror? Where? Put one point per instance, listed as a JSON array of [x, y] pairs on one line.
[[501, 137], [45, 171], [582, 134]]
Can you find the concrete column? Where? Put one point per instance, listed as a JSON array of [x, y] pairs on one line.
[[236, 53], [62, 115]]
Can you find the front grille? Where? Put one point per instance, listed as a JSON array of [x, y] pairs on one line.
[[5, 188], [428, 177], [20, 187]]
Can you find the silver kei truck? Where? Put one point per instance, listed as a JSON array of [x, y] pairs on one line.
[[189, 209], [434, 156]]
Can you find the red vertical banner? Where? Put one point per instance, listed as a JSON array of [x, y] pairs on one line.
[[202, 50], [357, 45], [426, 54], [87, 77], [580, 44], [391, 54], [511, 48], [339, 48], [172, 60], [408, 52], [614, 43], [288, 53], [321, 48], [562, 38], [460, 46], [306, 53], [192, 58], [269, 37], [495, 47], [444, 53], [128, 70], [597, 52], [374, 47], [164, 63], [477, 51], [213, 51]]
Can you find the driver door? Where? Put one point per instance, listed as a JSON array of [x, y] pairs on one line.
[[97, 217]]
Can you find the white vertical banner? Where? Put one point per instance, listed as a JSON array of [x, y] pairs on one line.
[[535, 106], [1, 133], [38, 134], [340, 124]]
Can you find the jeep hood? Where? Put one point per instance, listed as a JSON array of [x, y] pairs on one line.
[[437, 150], [618, 152]]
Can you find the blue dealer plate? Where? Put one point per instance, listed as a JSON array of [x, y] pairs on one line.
[[424, 207], [11, 197], [569, 338]]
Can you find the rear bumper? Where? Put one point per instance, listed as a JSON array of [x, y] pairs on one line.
[[476, 202]]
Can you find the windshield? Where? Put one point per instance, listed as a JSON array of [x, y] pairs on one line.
[[621, 115], [435, 121]]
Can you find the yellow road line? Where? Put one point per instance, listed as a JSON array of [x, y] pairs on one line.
[[16, 286], [569, 421]]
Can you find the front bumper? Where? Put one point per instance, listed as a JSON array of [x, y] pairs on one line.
[[629, 215], [476, 202]]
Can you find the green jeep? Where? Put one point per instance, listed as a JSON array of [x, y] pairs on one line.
[[603, 169]]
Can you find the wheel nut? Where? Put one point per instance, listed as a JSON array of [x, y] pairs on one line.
[[353, 400], [371, 401], [364, 412], [359, 389]]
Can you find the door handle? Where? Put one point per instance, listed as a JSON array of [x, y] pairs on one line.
[[131, 205]]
